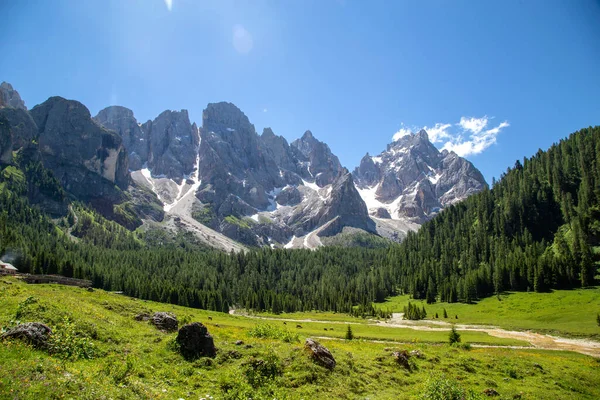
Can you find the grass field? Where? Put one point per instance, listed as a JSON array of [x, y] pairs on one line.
[[134, 360], [564, 312]]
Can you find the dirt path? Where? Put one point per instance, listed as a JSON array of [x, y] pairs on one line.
[[536, 340]]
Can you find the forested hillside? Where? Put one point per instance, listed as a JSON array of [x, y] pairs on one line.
[[534, 230]]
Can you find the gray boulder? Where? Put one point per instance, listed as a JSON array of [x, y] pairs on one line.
[[165, 321], [320, 354], [34, 333], [195, 341]]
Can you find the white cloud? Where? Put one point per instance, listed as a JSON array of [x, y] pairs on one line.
[[467, 137], [169, 4], [474, 125], [438, 132], [478, 140], [401, 133], [242, 40]]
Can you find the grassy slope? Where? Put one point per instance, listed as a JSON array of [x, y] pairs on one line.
[[137, 361], [565, 312]]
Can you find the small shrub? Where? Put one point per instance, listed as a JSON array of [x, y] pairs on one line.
[[439, 387], [273, 332], [445, 313], [21, 309], [68, 343], [598, 319], [454, 336], [258, 371]]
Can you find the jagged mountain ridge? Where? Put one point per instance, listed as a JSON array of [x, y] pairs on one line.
[[224, 181], [412, 180]]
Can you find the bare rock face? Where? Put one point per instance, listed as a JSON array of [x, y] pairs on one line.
[[165, 321], [10, 97], [122, 121], [316, 160], [233, 160], [195, 341], [86, 158], [6, 141], [167, 145], [34, 333], [320, 354], [23, 129], [279, 149], [173, 144]]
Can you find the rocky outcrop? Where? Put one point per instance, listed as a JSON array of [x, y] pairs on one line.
[[320, 354], [34, 333], [165, 321], [9, 97], [195, 341]]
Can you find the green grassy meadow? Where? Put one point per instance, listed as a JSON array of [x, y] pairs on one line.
[[134, 360], [563, 312]]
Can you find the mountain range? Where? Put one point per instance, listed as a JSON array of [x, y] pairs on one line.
[[223, 181]]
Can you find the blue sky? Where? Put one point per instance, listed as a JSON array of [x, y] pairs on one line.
[[493, 80]]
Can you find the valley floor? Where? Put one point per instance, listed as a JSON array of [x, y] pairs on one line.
[[133, 359]]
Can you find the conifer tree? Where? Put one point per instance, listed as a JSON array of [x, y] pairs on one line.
[[349, 334], [454, 336]]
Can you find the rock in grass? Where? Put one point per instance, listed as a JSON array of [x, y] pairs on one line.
[[320, 354], [142, 317], [34, 333], [401, 358], [491, 392], [165, 321], [195, 341]]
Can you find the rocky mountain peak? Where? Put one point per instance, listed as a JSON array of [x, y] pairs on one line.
[[412, 180], [267, 133], [225, 117], [9, 97], [317, 162]]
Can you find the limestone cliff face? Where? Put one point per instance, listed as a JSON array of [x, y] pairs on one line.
[[167, 145], [122, 121], [71, 141]]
